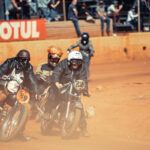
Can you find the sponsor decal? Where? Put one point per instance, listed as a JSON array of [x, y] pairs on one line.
[[22, 30]]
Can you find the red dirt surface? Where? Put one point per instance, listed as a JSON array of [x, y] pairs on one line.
[[120, 93]]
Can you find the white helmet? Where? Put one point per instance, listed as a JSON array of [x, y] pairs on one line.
[[75, 55]]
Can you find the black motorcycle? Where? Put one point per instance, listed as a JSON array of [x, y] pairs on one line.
[[14, 113], [67, 114]]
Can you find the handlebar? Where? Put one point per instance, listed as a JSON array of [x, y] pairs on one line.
[[6, 78], [73, 88]]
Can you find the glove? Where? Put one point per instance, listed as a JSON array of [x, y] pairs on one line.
[[58, 85], [91, 55], [68, 51], [38, 76], [86, 93]]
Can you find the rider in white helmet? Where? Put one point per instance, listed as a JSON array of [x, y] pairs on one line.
[[69, 69]]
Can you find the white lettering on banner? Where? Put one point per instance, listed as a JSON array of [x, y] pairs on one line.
[[26, 34], [17, 30], [16, 26], [3, 28], [35, 34]]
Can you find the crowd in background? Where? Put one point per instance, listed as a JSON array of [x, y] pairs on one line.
[[50, 10], [25, 9]]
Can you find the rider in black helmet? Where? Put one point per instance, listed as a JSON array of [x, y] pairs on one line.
[[20, 68], [23, 58], [86, 49]]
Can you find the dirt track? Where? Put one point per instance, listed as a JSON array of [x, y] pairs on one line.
[[121, 97]]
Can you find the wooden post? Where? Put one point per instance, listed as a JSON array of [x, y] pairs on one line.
[[64, 9], [139, 17], [1, 11]]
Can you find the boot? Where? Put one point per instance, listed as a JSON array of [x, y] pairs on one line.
[[85, 133]]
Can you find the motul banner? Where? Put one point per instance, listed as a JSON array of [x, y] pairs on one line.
[[22, 30]]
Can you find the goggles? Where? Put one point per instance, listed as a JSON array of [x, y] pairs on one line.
[[23, 59], [56, 60], [76, 62]]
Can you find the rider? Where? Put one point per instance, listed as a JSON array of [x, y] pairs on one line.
[[86, 49], [68, 70], [45, 70], [20, 68]]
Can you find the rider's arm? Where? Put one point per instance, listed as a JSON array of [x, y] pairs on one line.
[[32, 79], [4, 68], [39, 71], [58, 71], [73, 46], [91, 49]]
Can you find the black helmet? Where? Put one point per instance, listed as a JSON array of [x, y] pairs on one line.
[[23, 58], [84, 38], [23, 54]]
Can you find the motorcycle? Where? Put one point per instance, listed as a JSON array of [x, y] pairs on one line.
[[67, 114], [41, 103], [15, 110]]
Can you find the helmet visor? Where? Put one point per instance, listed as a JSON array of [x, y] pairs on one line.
[[55, 60], [76, 62], [23, 59], [23, 62]]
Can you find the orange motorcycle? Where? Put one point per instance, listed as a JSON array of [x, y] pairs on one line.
[[16, 114]]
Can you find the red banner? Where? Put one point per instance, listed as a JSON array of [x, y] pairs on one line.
[[22, 30]]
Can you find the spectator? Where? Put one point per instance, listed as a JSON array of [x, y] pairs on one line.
[[73, 16], [18, 9], [53, 10], [24, 4], [85, 13], [43, 6], [33, 6], [103, 17], [132, 19], [14, 8], [1, 10], [113, 12]]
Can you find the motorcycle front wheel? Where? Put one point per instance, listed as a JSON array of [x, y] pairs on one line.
[[14, 122], [70, 124], [47, 124]]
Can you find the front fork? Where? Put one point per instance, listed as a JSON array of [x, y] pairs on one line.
[[68, 109], [66, 114]]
